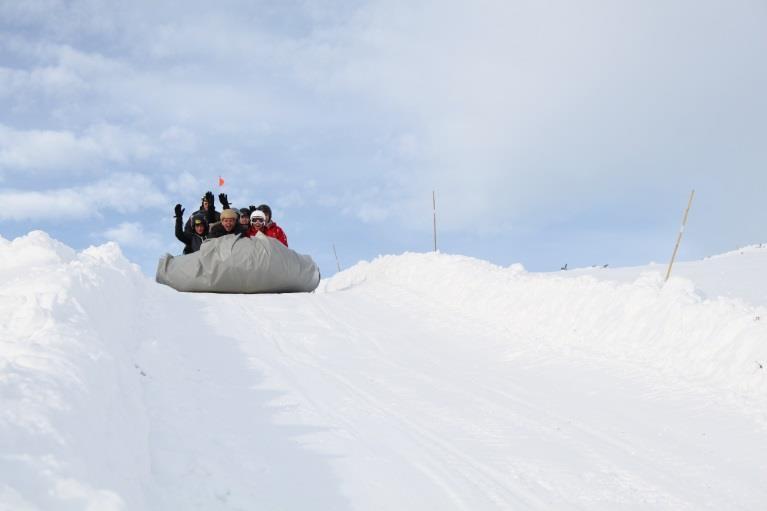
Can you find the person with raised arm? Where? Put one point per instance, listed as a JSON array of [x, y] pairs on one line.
[[192, 239]]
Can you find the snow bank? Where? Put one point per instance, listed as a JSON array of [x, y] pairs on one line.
[[671, 327], [116, 394], [72, 424], [748, 249]]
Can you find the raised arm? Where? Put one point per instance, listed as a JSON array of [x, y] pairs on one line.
[[210, 214], [224, 200], [180, 234]]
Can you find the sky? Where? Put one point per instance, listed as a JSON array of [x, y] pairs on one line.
[[551, 132]]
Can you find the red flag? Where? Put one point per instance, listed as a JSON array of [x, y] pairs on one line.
[[220, 181]]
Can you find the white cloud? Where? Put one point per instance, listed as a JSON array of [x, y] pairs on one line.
[[47, 150], [184, 184], [47, 80], [132, 234], [373, 213], [291, 199], [370, 205], [179, 139], [122, 192]]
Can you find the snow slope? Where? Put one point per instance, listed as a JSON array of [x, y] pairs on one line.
[[419, 381], [739, 274]]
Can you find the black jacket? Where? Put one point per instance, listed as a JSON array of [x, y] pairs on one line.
[[191, 240], [217, 230], [211, 215]]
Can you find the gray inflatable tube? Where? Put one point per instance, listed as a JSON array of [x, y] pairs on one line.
[[236, 264]]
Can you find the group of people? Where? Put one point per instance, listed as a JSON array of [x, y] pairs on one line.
[[208, 223]]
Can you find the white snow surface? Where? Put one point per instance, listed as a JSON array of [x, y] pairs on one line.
[[412, 382]]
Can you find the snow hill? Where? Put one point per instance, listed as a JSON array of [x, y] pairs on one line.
[[418, 381]]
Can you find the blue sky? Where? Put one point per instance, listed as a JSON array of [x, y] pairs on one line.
[[556, 132]]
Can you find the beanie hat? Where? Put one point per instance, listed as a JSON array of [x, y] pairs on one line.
[[245, 212], [258, 214], [199, 219], [229, 213]]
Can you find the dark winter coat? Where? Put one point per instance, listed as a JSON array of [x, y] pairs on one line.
[[191, 240], [217, 230], [211, 215]]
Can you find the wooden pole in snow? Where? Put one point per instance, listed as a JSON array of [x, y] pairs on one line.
[[434, 214], [338, 265], [679, 237]]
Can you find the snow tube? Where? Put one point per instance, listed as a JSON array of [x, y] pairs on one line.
[[237, 264]]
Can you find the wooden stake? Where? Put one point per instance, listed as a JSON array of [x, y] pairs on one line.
[[679, 237], [434, 212], [338, 265]]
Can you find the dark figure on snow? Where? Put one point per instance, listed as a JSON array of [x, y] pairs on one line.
[[229, 224], [199, 230]]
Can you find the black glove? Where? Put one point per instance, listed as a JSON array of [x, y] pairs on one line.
[[179, 211], [224, 200], [211, 200], [252, 208]]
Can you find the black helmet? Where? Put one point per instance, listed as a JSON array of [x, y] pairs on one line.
[[266, 209], [245, 212]]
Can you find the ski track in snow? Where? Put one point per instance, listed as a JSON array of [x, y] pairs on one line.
[[400, 384], [397, 385]]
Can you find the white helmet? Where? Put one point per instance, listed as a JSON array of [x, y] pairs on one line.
[[258, 214]]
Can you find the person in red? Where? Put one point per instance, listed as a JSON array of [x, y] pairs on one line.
[[271, 229], [261, 220]]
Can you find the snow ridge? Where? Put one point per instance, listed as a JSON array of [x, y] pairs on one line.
[[673, 328], [67, 385]]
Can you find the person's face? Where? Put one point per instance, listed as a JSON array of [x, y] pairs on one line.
[[199, 228], [205, 203], [244, 220], [257, 222], [228, 223]]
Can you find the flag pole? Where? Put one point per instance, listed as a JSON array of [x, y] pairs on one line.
[[434, 215], [338, 265], [679, 237]]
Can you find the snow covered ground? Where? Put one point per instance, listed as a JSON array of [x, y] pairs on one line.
[[419, 381]]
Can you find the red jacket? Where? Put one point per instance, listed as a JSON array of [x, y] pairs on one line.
[[272, 230]]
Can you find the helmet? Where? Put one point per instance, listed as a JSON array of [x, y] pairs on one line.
[[257, 214], [266, 209]]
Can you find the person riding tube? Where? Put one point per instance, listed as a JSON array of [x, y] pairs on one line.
[[199, 230], [228, 225], [271, 229], [207, 209]]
